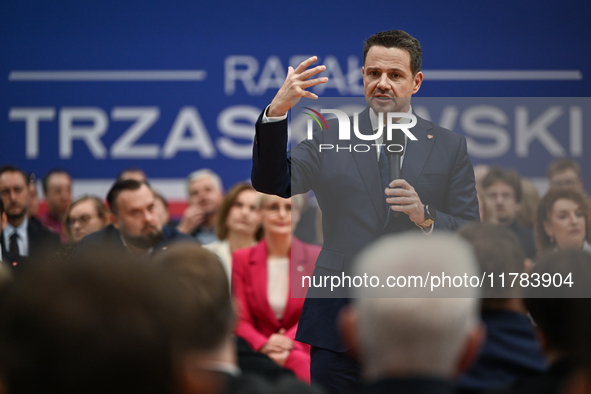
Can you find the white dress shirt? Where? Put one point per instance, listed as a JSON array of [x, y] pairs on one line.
[[22, 240]]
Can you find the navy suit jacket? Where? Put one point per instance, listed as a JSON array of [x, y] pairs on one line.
[[43, 246], [350, 195]]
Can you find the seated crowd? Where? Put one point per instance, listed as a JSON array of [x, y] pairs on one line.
[[216, 308]]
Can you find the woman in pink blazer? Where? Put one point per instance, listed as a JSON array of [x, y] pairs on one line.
[[261, 275]]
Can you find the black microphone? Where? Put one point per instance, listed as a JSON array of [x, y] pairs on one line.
[[393, 149]]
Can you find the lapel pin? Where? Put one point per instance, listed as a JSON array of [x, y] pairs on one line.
[[430, 136], [300, 268]]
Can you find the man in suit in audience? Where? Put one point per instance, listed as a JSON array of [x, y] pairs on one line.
[[209, 343], [25, 238], [511, 350], [413, 345], [135, 227]]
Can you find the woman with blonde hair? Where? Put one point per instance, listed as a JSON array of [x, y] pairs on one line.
[[264, 278]]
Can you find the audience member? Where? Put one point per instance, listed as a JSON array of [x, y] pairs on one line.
[[239, 224], [561, 316], [134, 225], [57, 189], [268, 313], [25, 238], [211, 318], [530, 199], [206, 192], [565, 172], [96, 326], [503, 190], [34, 203], [511, 350], [132, 173], [162, 209], [413, 345], [84, 216], [563, 220]]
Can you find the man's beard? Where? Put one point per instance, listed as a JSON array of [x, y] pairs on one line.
[[16, 216], [144, 241]]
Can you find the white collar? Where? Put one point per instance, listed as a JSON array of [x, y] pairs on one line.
[[21, 230]]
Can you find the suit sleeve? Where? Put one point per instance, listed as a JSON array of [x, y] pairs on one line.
[[460, 198], [245, 327], [276, 171]]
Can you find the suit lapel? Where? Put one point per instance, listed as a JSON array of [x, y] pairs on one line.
[[417, 152], [367, 164]]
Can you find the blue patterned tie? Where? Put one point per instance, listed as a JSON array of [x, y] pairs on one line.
[[383, 164]]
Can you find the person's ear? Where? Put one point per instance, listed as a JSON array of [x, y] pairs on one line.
[[471, 349], [3, 220], [113, 220], [348, 320], [548, 229], [417, 81]]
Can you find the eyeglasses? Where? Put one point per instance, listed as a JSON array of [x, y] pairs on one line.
[[84, 219]]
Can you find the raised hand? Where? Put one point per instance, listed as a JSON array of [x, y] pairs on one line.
[[294, 87]]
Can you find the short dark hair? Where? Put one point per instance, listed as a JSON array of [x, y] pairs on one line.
[[508, 176], [11, 168], [558, 311], [48, 175], [120, 176], [106, 325], [200, 274], [560, 165], [1, 208], [498, 251], [118, 187], [397, 39]]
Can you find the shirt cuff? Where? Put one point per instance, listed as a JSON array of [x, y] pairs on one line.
[[273, 119]]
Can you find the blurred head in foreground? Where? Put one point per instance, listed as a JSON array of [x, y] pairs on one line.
[[414, 336], [97, 326]]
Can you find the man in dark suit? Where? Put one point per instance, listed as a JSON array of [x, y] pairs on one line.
[[436, 190], [24, 239], [414, 345], [134, 227], [210, 345]]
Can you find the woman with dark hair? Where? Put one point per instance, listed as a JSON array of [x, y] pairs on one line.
[[238, 226], [84, 216], [563, 221], [268, 287]]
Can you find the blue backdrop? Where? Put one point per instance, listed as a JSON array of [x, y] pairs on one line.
[[198, 74]]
